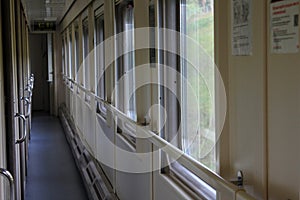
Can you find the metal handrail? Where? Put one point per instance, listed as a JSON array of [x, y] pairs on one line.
[[10, 178], [211, 178], [23, 117]]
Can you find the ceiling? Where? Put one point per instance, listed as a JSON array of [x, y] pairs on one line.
[[47, 10]]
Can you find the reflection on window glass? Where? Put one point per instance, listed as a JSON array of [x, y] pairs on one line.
[[63, 57], [66, 56], [77, 64], [70, 54], [100, 64], [198, 140], [86, 71], [126, 63]]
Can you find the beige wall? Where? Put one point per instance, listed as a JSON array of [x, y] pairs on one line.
[[261, 134], [247, 106], [284, 125], [264, 112]]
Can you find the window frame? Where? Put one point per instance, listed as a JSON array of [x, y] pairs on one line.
[[63, 55], [122, 90], [85, 49], [70, 51], [171, 167], [76, 50], [121, 66], [184, 89], [66, 54], [100, 64]]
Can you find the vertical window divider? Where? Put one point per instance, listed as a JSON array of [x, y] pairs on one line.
[[143, 73], [99, 58]]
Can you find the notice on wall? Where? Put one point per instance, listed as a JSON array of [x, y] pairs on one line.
[[241, 27], [285, 26]]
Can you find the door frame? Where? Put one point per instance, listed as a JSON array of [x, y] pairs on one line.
[[2, 118], [11, 93]]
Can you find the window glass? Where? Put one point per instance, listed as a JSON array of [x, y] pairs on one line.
[[190, 124], [126, 62], [77, 64], [197, 22], [100, 65], [66, 55], [70, 53], [190, 120], [63, 56], [85, 35]]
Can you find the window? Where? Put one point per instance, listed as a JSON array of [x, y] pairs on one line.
[[125, 64], [100, 64], [99, 59], [76, 53], [63, 56], [50, 57], [197, 22], [190, 111], [193, 118], [70, 53], [66, 55], [85, 39]]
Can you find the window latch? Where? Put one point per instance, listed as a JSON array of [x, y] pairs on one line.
[[240, 179]]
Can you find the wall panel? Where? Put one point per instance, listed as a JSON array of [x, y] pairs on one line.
[[247, 105]]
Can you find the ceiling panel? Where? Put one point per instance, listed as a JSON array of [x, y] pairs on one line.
[[44, 9]]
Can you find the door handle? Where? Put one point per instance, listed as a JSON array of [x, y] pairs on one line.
[[30, 86], [10, 178], [28, 102], [29, 91], [26, 99], [23, 117]]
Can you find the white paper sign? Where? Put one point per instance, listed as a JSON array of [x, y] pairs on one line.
[[241, 27], [284, 26]]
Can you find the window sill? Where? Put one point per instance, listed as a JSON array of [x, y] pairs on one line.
[[191, 181]]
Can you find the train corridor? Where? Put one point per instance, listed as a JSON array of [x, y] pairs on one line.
[[52, 172]]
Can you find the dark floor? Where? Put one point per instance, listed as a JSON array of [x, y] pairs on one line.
[[52, 173]]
